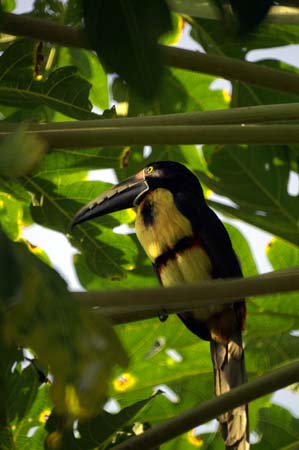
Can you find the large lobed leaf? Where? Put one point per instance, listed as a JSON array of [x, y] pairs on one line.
[[63, 90], [130, 46], [256, 179], [277, 425]]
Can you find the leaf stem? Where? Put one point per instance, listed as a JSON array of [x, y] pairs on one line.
[[45, 30], [249, 114], [130, 305], [210, 409], [226, 67], [168, 135], [231, 69]]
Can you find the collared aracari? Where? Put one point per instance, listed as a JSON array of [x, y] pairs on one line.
[[187, 242]]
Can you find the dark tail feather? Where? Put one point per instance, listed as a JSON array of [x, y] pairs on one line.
[[229, 372]]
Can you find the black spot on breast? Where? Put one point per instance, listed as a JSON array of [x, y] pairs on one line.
[[148, 213]]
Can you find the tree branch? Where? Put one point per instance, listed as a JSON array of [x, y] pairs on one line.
[[241, 395], [137, 304], [230, 68]]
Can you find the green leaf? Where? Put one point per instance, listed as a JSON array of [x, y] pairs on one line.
[[11, 213], [173, 36], [198, 88], [193, 440], [89, 68], [101, 429], [20, 152], [28, 407], [216, 38], [277, 425], [181, 91], [255, 178], [136, 29], [243, 251], [190, 377], [282, 254], [274, 315], [63, 90], [8, 5], [79, 346], [280, 346]]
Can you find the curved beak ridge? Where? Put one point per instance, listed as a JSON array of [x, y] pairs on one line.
[[122, 196]]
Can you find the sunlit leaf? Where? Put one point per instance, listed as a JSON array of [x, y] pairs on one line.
[[282, 254]]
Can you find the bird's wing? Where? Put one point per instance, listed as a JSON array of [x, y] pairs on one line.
[[226, 347]]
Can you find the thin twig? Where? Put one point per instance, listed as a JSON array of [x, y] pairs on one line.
[[175, 426], [130, 305]]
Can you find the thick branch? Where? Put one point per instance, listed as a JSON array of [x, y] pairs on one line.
[[169, 135], [135, 304], [222, 66], [175, 426]]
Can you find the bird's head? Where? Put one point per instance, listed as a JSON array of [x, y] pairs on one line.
[[130, 192]]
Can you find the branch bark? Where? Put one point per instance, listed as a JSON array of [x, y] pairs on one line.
[[222, 66], [175, 426], [129, 305]]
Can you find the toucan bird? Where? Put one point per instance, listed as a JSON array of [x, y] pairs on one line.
[[187, 242]]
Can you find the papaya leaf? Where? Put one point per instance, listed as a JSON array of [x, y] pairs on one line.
[[101, 429], [275, 315], [29, 406], [255, 178], [122, 48], [89, 68], [277, 425], [215, 38], [63, 90], [244, 94], [282, 254]]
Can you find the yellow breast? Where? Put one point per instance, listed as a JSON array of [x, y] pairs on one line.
[[168, 226], [159, 232]]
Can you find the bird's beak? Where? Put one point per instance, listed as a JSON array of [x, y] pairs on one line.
[[122, 196]]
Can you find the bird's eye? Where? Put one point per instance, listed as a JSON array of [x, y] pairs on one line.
[[149, 169]]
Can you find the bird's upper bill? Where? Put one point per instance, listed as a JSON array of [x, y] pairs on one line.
[[122, 196]]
